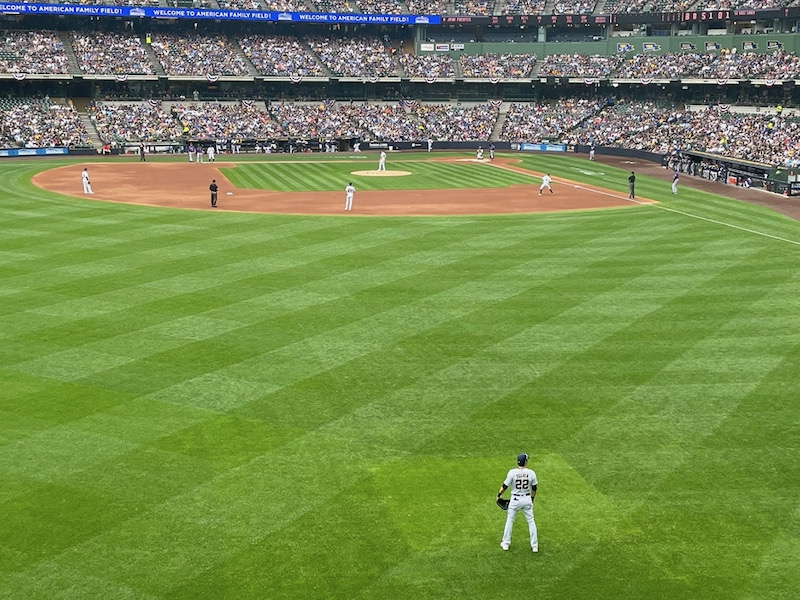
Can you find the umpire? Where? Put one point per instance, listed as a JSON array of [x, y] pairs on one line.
[[631, 183], [213, 188]]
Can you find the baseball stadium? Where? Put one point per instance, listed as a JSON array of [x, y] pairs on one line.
[[569, 242]]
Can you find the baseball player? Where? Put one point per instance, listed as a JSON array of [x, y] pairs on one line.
[[142, 157], [430, 144], [675, 177], [200, 152], [546, 183], [87, 186], [479, 153], [491, 151], [522, 482], [349, 192], [631, 184], [191, 152], [210, 153], [591, 152], [213, 188], [382, 161]]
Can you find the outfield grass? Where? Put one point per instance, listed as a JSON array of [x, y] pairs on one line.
[[222, 405]]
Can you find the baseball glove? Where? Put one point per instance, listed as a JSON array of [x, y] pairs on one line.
[[503, 503]]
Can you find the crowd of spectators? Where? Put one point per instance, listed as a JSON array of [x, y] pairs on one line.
[[313, 120], [546, 121], [663, 128], [280, 56], [217, 121], [574, 7], [524, 7], [354, 57], [427, 65], [454, 122], [383, 122], [473, 7], [110, 54], [141, 122], [426, 7], [579, 65], [42, 124], [241, 5], [32, 52], [628, 6], [198, 55], [501, 66], [380, 7]]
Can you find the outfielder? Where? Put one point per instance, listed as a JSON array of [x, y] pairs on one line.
[[87, 186], [546, 183], [349, 192], [522, 482], [382, 161]]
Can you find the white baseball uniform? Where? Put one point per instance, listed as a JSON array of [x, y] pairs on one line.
[[211, 154], [382, 161], [591, 152], [87, 187], [348, 200], [479, 154], [675, 178], [545, 184], [520, 482]]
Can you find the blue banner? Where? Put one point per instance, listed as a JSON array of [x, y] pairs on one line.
[[81, 10], [6, 152], [525, 147]]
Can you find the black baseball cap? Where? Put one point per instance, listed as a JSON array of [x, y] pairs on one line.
[[522, 459]]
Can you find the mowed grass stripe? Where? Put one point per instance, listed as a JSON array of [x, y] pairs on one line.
[[334, 176]]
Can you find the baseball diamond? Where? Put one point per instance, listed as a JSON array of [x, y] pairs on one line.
[[282, 303]]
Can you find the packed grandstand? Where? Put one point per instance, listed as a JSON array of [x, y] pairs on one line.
[[723, 86]]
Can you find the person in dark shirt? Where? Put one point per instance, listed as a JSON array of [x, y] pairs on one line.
[[213, 188], [631, 182]]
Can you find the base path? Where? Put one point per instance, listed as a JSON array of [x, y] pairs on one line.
[[185, 185]]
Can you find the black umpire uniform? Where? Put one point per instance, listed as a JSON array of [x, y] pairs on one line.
[[213, 188], [141, 152], [631, 183]]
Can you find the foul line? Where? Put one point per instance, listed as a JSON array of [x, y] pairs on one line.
[[693, 216]]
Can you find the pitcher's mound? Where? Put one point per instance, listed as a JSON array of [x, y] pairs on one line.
[[380, 173]]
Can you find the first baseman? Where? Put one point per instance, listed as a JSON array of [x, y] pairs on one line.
[[349, 192], [87, 186], [522, 482]]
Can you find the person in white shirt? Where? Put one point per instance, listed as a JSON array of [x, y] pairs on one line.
[[546, 183], [430, 144], [382, 161], [522, 482], [87, 186], [210, 153], [349, 192], [479, 153]]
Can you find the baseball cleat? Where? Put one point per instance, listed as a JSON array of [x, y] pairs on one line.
[[504, 546], [535, 548]]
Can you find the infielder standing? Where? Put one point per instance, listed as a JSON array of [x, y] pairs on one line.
[[210, 152], [491, 151], [349, 191], [87, 186], [522, 482], [675, 178], [591, 152], [631, 185], [479, 153], [382, 161], [546, 183]]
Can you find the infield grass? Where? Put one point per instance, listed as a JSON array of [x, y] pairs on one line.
[[300, 176], [222, 405]]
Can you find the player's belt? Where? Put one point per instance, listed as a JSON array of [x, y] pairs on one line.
[[520, 495]]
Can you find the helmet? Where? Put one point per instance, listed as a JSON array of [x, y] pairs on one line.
[[522, 459]]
